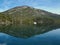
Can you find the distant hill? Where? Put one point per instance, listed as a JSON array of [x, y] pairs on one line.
[[26, 10], [29, 15]]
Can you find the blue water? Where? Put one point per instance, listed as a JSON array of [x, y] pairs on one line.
[[49, 38]]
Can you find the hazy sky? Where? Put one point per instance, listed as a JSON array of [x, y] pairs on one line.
[[49, 5]]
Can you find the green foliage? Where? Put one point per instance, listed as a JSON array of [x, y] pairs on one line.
[[28, 15]]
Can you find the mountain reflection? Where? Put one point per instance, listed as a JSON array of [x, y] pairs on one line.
[[26, 31]]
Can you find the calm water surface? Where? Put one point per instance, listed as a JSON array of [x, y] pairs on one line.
[[48, 38]]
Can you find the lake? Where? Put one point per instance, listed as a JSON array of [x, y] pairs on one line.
[[49, 38]]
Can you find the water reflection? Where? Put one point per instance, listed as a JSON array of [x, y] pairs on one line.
[[26, 31], [49, 38]]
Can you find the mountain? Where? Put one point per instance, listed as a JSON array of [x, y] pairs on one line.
[[29, 15], [28, 11], [25, 21]]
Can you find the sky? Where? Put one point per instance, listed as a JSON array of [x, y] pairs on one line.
[[48, 5]]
